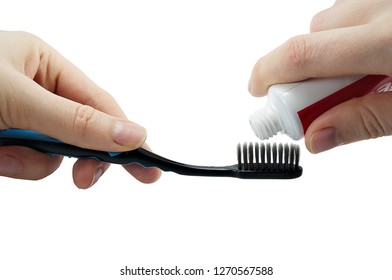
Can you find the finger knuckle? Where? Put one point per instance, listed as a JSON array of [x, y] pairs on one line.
[[298, 52], [373, 126], [83, 118]]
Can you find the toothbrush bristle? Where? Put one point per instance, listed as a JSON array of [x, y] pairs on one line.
[[267, 157]]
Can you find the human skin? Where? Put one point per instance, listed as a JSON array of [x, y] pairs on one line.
[[42, 91], [351, 37]]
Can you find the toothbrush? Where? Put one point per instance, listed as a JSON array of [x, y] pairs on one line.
[[255, 161]]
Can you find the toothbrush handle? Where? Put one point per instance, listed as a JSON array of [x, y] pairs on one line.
[[52, 146], [143, 157], [49, 145]]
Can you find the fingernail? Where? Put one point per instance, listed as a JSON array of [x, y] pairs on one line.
[[98, 173], [129, 134], [325, 139], [9, 165]]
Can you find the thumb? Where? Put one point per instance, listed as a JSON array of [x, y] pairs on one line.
[[30, 106], [358, 119]]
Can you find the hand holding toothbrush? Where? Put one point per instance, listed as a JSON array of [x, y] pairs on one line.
[[40, 90], [352, 37]]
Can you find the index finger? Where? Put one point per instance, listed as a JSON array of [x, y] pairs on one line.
[[60, 76], [331, 53]]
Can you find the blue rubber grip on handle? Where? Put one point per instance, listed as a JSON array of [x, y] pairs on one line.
[[33, 136], [13, 133]]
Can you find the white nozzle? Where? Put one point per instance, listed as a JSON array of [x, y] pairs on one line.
[[265, 123]]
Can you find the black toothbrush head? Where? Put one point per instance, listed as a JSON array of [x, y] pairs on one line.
[[268, 161]]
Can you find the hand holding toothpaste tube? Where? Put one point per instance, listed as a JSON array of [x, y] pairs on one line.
[[42, 91], [351, 38]]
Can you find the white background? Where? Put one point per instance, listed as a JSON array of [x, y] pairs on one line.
[[181, 68]]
